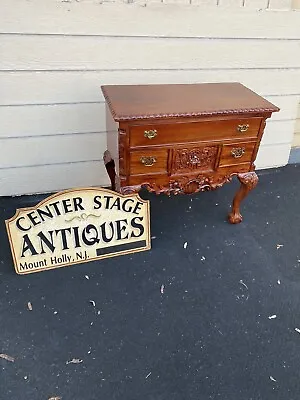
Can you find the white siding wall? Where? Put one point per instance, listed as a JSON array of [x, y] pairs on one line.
[[296, 141], [56, 54]]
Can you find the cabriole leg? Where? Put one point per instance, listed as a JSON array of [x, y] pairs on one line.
[[248, 182], [110, 168]]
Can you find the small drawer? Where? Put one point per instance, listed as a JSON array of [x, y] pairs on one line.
[[148, 161], [185, 132], [236, 153]]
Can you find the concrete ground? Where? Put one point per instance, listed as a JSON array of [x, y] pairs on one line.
[[227, 325]]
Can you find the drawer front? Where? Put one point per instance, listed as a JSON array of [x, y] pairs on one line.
[[180, 132], [148, 161], [193, 159], [236, 153]]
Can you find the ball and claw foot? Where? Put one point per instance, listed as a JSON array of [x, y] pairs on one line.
[[235, 218], [248, 182]]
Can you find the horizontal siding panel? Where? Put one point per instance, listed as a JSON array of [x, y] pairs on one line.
[[60, 53], [63, 119], [296, 140], [280, 4], [204, 2], [271, 156], [288, 107], [85, 18], [49, 178], [76, 87], [231, 3], [52, 149], [296, 4], [256, 4], [52, 119], [278, 132], [298, 111], [174, 2]]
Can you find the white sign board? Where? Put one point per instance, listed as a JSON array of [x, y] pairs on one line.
[[76, 226]]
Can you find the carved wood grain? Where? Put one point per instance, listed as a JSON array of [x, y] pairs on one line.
[[122, 154], [191, 159], [183, 184]]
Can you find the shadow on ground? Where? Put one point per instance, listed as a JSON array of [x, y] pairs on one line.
[[208, 336]]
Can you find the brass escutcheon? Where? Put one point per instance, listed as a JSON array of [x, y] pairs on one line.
[[148, 161], [150, 134], [243, 128], [238, 152]]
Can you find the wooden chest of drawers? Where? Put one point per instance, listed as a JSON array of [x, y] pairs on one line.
[[184, 138]]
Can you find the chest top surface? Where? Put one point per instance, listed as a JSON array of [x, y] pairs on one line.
[[140, 102]]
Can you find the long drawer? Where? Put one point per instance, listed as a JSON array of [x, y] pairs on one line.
[[167, 133]]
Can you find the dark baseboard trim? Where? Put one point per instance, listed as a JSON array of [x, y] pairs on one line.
[[294, 155]]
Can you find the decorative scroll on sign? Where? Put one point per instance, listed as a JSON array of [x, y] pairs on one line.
[[77, 226]]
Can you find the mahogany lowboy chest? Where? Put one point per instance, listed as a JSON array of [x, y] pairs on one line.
[[184, 138]]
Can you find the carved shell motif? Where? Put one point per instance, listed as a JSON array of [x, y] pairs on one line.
[[189, 159], [185, 184]]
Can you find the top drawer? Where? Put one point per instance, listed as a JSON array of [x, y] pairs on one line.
[[180, 132]]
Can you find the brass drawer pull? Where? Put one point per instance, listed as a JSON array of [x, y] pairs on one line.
[[148, 161], [150, 134], [238, 152], [243, 128]]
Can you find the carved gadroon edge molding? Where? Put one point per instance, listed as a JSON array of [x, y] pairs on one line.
[[190, 115], [185, 114]]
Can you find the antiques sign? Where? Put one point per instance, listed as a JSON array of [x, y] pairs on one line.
[[77, 226]]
